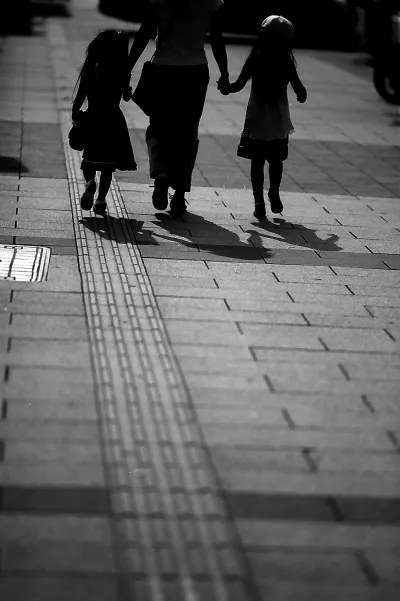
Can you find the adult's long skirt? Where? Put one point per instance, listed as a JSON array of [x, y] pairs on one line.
[[172, 135]]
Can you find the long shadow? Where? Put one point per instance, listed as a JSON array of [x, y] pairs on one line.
[[282, 229], [231, 247]]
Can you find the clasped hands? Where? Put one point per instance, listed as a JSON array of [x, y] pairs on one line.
[[224, 85]]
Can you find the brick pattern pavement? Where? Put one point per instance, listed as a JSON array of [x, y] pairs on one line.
[[267, 351]]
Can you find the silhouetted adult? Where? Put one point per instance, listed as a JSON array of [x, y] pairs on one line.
[[182, 81]]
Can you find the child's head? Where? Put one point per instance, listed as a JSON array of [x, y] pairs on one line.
[[109, 44], [276, 31]]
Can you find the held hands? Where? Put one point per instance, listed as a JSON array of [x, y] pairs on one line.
[[223, 85]]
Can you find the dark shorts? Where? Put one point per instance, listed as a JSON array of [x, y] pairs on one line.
[[273, 150]]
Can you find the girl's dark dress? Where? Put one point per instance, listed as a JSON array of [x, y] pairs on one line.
[[108, 142]]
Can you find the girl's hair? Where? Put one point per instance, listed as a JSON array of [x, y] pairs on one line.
[[109, 43], [269, 62]]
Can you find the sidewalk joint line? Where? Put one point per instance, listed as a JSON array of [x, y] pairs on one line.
[[367, 403], [4, 409], [324, 346], [269, 383], [335, 509], [393, 439], [367, 568], [288, 419], [344, 372], [389, 334], [309, 460]]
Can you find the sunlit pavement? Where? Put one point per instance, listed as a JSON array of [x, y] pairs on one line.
[[206, 407]]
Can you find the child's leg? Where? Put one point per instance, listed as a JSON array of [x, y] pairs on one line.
[[275, 178], [100, 206], [257, 177], [275, 174], [89, 174], [105, 182], [88, 196], [257, 183]]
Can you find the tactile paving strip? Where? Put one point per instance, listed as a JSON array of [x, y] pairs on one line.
[[24, 263], [174, 538]]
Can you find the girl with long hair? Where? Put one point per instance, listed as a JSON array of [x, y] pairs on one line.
[[102, 82]]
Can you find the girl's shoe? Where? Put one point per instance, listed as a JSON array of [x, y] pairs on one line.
[[88, 196], [259, 209], [160, 193], [275, 200], [177, 205], [100, 207]]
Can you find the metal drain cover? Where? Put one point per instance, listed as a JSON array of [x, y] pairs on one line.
[[24, 263]]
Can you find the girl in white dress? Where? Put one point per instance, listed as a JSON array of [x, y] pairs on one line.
[[271, 66]]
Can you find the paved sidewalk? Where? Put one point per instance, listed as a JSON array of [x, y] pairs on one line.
[[207, 407]]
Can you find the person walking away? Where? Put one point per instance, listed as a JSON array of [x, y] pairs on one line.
[[271, 66], [102, 82], [182, 79]]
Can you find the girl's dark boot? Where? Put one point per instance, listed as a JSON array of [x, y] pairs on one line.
[[275, 200], [259, 206]]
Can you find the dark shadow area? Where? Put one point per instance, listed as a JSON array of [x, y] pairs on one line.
[[283, 230], [191, 227], [12, 165]]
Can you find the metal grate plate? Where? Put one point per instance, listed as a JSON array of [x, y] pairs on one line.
[[24, 263]]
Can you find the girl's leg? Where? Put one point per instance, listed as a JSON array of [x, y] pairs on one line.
[[257, 183], [89, 174], [275, 178], [105, 182], [100, 206], [257, 177], [87, 197], [275, 174]]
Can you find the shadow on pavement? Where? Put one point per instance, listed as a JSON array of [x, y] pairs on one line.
[[280, 227], [193, 227], [12, 165]]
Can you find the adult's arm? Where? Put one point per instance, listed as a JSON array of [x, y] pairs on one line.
[[218, 45], [146, 31]]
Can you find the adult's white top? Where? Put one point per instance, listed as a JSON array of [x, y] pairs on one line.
[[181, 30]]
